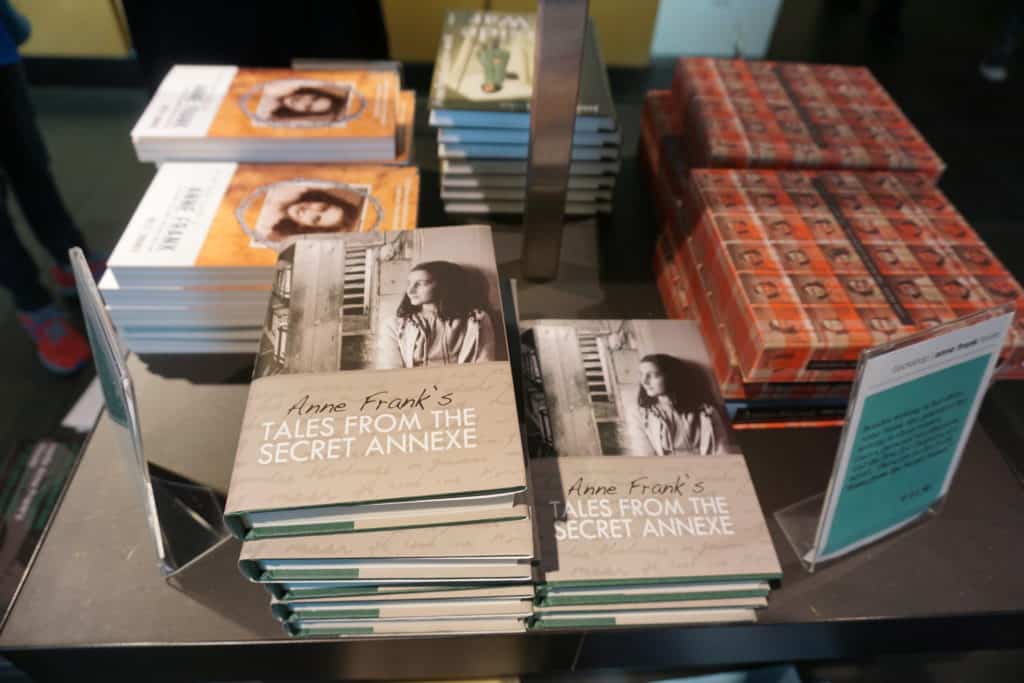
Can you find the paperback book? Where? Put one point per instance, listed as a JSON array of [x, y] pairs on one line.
[[226, 223], [225, 113]]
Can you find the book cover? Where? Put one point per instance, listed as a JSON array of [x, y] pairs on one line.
[[723, 356], [228, 102], [382, 387], [485, 63], [621, 595], [647, 521], [626, 387], [307, 557], [749, 114], [283, 608], [292, 591], [307, 612], [809, 268], [410, 626], [644, 618], [405, 114], [224, 216]]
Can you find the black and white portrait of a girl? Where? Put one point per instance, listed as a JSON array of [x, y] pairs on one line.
[[675, 412], [442, 319]]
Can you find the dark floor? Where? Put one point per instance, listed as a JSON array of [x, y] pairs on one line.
[[931, 70]]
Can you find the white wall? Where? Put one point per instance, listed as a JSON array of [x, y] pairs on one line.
[[714, 28]]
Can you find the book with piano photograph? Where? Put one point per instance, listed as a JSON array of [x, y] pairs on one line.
[[382, 394]]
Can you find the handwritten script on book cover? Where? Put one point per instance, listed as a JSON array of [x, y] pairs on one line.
[[321, 439]]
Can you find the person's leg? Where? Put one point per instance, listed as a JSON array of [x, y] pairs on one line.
[[61, 348], [24, 157], [18, 272]]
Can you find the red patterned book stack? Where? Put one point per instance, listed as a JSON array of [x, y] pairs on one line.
[[800, 226]]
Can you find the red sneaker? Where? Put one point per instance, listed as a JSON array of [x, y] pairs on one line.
[[64, 277], [62, 349]]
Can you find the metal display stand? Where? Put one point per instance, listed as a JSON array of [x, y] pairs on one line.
[[561, 29]]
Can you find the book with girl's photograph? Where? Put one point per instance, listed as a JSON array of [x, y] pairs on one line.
[[384, 300], [621, 387]]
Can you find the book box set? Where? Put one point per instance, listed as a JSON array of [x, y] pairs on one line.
[[800, 225]]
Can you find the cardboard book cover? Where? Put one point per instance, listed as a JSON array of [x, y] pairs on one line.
[[292, 591], [405, 114], [723, 356], [626, 387], [382, 387], [649, 521], [405, 627], [622, 595], [809, 268], [227, 102], [283, 609], [485, 63], [644, 618], [677, 605], [225, 216], [308, 557], [750, 114], [661, 139], [291, 612]]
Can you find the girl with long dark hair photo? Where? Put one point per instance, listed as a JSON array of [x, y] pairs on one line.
[[442, 319], [675, 418], [317, 211], [311, 102]]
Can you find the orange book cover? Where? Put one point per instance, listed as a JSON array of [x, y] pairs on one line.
[[281, 103], [224, 215]]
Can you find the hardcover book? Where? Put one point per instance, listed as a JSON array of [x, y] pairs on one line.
[[483, 76], [499, 551], [411, 626], [222, 113], [311, 611], [610, 522], [809, 268], [382, 389], [225, 223], [333, 591], [749, 114]]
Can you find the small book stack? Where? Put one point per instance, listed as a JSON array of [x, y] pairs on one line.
[[379, 476], [769, 115], [224, 113], [193, 271], [637, 540], [479, 103], [798, 272]]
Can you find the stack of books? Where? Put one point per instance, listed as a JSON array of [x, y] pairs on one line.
[[637, 540], [800, 271], [194, 269], [379, 476], [767, 115], [223, 113], [479, 103]]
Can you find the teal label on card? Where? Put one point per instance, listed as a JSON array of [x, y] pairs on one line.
[[904, 447]]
